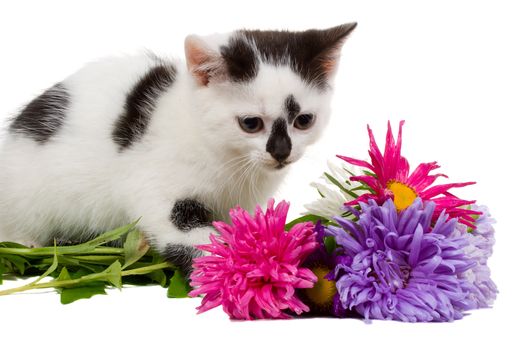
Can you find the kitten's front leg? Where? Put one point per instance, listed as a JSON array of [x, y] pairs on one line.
[[175, 228], [182, 254]]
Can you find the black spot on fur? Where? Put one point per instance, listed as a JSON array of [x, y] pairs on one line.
[[140, 104], [240, 60], [279, 144], [181, 256], [188, 214], [43, 116], [292, 108], [311, 53]]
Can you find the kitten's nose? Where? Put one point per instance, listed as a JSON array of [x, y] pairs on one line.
[[281, 150], [279, 144]]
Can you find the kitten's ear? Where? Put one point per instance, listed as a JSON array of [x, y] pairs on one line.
[[204, 63], [333, 40]]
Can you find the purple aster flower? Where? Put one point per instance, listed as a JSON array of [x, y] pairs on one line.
[[485, 231], [483, 290], [395, 265]]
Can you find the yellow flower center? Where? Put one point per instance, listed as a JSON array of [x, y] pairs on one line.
[[404, 196], [323, 291]]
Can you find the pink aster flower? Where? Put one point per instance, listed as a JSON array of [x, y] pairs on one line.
[[254, 266], [391, 178]]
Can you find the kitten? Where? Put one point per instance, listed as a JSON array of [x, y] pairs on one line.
[[177, 146]]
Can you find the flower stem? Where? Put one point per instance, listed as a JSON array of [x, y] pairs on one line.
[[62, 251], [83, 279], [146, 269], [94, 259]]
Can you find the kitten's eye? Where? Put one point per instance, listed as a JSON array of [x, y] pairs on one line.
[[251, 124], [304, 121]]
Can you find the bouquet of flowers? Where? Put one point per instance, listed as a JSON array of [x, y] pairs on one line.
[[381, 243]]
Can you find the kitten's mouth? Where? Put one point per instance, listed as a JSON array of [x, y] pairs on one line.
[[281, 165], [275, 165]]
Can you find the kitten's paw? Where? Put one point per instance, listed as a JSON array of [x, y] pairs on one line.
[[181, 256]]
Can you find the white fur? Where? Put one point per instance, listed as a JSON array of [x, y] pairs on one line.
[[193, 148]]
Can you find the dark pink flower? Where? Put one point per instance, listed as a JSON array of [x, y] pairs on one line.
[[391, 178], [254, 266]]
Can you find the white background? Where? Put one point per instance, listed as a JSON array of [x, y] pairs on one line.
[[453, 70]]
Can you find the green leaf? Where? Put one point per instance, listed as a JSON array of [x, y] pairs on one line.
[[97, 259], [341, 187], [114, 274], [62, 260], [135, 248], [64, 275], [178, 287], [81, 291], [360, 188], [18, 262], [156, 258], [309, 217], [369, 173], [348, 171], [83, 270], [93, 268], [330, 244], [51, 268], [158, 276], [2, 271], [12, 245], [69, 295], [110, 235], [66, 260]]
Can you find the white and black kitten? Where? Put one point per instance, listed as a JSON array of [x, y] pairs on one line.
[[176, 145]]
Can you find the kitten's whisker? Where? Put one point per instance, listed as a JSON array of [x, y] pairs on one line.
[[237, 182], [228, 186], [242, 182], [249, 173], [227, 169], [231, 164], [252, 182], [254, 188]]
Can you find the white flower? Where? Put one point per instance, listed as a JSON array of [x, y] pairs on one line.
[[335, 189]]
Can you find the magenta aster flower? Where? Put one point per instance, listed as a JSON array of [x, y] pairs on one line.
[[255, 265], [391, 178], [396, 265]]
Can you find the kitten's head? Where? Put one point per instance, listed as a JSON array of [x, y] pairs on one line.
[[265, 95]]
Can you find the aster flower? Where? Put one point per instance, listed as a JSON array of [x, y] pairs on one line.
[[481, 241], [396, 265], [254, 266], [391, 178], [335, 190]]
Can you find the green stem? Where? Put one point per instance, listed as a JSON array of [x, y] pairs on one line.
[[86, 278], [66, 250], [94, 259], [54, 284], [146, 269]]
